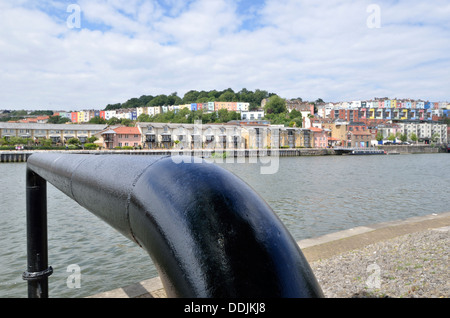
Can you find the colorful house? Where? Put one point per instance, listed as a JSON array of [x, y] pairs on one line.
[[122, 137], [320, 137], [74, 117]]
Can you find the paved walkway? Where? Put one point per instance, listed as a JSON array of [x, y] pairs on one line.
[[314, 249]]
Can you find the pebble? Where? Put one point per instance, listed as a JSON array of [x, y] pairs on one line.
[[415, 265]]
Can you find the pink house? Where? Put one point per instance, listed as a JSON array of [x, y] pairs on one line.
[[320, 137], [122, 137]]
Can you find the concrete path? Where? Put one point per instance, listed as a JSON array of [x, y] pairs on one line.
[[314, 249]]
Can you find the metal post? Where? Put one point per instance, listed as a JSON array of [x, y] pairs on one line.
[[37, 251]]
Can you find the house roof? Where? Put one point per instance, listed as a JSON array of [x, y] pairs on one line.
[[315, 129], [108, 132], [127, 130]]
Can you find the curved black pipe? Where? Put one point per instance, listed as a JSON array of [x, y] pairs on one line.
[[208, 233]]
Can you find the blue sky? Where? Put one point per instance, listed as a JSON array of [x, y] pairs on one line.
[[337, 50]]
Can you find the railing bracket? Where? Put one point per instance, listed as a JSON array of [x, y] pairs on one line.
[[37, 275]]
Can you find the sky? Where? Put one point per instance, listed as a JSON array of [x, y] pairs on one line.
[[75, 55]]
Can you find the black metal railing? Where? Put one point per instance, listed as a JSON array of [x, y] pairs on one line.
[[208, 233]]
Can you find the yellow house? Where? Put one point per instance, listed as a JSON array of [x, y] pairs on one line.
[[404, 114], [338, 131], [80, 118], [393, 103]]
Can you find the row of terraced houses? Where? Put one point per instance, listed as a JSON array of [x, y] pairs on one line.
[[133, 113], [354, 124], [322, 133]]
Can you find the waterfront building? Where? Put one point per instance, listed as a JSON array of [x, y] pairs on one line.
[[121, 137], [58, 133], [319, 137], [338, 131], [191, 136], [358, 135], [426, 131]]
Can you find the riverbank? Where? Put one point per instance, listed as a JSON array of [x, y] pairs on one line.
[[407, 258], [23, 155]]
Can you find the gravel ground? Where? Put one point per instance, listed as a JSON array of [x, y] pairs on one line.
[[414, 265]]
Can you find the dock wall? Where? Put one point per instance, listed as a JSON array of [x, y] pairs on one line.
[[22, 155], [412, 149]]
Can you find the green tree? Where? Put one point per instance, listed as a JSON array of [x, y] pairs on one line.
[[127, 122], [113, 106], [414, 138], [391, 137], [144, 118], [190, 97], [92, 139], [228, 96], [42, 113], [58, 120], [275, 105], [403, 138], [257, 98], [90, 146], [159, 100], [113, 121], [73, 141], [379, 136], [435, 137], [174, 99], [97, 120]]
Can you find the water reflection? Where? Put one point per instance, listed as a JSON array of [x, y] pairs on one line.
[[311, 195]]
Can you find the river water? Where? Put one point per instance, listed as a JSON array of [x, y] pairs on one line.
[[312, 196]]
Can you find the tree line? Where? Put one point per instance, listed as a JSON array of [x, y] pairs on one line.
[[254, 98]]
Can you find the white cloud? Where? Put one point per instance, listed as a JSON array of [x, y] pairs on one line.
[[307, 49]]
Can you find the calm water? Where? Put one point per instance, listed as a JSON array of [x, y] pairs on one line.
[[311, 195]]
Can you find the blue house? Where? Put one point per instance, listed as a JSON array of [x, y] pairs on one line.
[[193, 107], [388, 113]]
